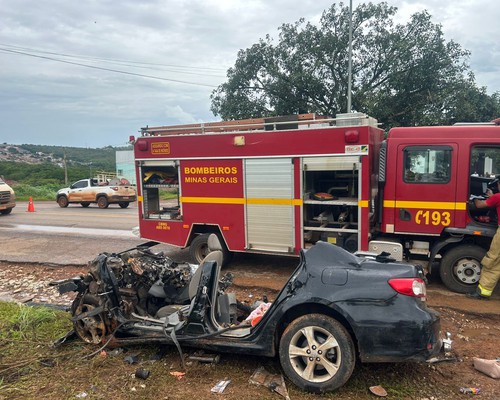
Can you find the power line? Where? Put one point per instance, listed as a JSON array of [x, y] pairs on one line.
[[112, 60], [106, 69]]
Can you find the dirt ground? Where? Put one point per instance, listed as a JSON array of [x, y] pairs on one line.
[[474, 325]]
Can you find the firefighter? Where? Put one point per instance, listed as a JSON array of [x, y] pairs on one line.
[[490, 272]]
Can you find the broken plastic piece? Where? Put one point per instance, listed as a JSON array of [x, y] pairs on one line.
[[132, 359], [273, 382], [378, 391], [178, 375], [220, 387]]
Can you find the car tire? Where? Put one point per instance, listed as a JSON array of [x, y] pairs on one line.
[[317, 353], [63, 201], [102, 202], [460, 268], [6, 211], [123, 204], [85, 204]]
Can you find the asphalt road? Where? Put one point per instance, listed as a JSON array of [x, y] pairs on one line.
[[68, 236]]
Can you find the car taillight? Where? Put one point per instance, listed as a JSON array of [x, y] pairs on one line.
[[114, 188], [414, 287]]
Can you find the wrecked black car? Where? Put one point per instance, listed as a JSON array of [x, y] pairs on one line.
[[336, 308]]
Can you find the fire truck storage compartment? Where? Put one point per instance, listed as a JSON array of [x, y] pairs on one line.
[[269, 209], [331, 193], [160, 182]]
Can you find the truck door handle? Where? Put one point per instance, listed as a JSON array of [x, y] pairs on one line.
[[404, 215]]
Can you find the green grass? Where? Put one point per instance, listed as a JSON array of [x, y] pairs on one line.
[[41, 192]]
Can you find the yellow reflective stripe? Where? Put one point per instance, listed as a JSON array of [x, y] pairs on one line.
[[426, 205], [213, 200], [139, 198], [363, 203], [235, 200]]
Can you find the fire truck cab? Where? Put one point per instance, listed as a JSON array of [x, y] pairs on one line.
[[277, 185]]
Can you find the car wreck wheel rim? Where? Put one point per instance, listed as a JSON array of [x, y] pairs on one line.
[[315, 354], [90, 329]]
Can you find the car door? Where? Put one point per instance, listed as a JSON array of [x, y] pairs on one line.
[[75, 193]]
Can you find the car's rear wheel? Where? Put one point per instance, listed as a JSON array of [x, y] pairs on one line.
[[63, 201], [89, 329], [317, 353], [123, 204], [102, 202], [460, 268], [85, 204]]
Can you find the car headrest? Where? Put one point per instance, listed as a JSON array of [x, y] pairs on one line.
[[214, 243]]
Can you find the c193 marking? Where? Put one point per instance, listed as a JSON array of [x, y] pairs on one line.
[[433, 218]]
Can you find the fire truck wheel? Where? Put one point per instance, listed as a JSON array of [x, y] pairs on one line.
[[123, 204], [85, 204], [199, 247], [102, 202], [460, 268]]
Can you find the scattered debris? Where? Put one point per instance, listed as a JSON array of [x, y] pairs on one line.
[[220, 387], [132, 359], [115, 352], [378, 391], [81, 395], [178, 375], [142, 373], [273, 382], [470, 390], [435, 360], [488, 367], [207, 358]]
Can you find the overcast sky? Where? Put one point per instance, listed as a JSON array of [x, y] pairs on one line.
[[188, 44]]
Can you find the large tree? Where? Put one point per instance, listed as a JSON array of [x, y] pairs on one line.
[[403, 74]]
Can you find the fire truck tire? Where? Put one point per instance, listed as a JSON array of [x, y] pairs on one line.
[[199, 249], [85, 204], [460, 268], [123, 204], [102, 202]]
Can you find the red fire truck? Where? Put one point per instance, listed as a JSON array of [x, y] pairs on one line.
[[276, 185]]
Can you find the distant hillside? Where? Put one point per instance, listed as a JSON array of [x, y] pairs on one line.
[[37, 164]]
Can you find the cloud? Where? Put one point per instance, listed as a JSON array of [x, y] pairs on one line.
[[48, 102]]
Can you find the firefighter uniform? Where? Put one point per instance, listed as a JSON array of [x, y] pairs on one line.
[[490, 273]]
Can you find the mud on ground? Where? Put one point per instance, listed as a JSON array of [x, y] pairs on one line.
[[475, 328]]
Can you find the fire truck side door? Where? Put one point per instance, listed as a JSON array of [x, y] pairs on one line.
[[426, 177]]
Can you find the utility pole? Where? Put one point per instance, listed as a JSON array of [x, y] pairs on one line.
[[349, 83], [65, 169]]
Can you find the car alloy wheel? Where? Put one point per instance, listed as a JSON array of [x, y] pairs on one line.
[[317, 353]]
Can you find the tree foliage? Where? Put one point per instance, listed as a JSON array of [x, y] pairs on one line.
[[403, 74]]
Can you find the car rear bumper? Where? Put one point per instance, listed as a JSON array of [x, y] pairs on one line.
[[119, 199]]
